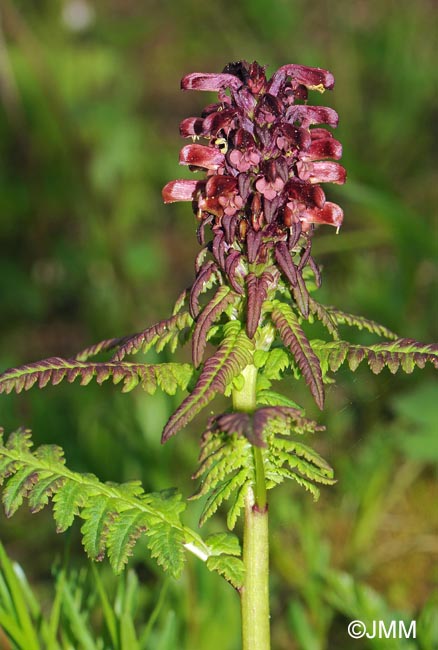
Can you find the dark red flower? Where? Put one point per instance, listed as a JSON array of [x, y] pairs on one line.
[[265, 158]]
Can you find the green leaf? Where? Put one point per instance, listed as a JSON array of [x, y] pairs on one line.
[[231, 568], [122, 535], [18, 487], [17, 622], [237, 506], [98, 514], [68, 501], [271, 398], [167, 547], [114, 515], [223, 492], [227, 543], [277, 361]]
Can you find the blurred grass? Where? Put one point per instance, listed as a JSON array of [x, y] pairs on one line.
[[88, 136]]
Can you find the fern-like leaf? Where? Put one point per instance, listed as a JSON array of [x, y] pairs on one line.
[[294, 338], [206, 278], [301, 295], [114, 515], [284, 261], [227, 463], [98, 516], [271, 398], [211, 313], [272, 362], [125, 529], [223, 491], [53, 370], [219, 370], [342, 318], [102, 346], [158, 335], [326, 317], [231, 568], [167, 547], [257, 289], [401, 353]]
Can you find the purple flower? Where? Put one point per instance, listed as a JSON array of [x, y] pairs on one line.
[[265, 156]]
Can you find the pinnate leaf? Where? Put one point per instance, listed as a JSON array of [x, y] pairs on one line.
[[98, 518], [114, 515], [210, 314], [257, 289], [158, 335], [55, 369], [294, 338], [231, 568], [342, 318], [233, 355], [220, 543], [167, 547], [122, 535], [401, 353]]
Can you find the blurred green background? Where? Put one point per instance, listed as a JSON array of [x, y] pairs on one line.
[[89, 112]]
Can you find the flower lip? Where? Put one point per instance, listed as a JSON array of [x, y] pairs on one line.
[[311, 78], [322, 172], [331, 214], [200, 155], [191, 127], [210, 81], [180, 190], [308, 115]]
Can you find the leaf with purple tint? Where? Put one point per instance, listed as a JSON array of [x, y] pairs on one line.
[[256, 290], [325, 316], [218, 247], [102, 346], [231, 262], [294, 338], [143, 341], [206, 278], [210, 314], [301, 295], [253, 241], [55, 369], [253, 425], [233, 355], [284, 261], [342, 318], [404, 353]]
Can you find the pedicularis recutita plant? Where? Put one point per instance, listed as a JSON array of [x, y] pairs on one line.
[[265, 157]]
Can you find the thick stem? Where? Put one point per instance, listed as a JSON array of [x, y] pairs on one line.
[[255, 591]]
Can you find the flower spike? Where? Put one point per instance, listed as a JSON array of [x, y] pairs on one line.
[[265, 153]]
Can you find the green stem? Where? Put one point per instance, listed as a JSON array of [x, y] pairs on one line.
[[255, 591]]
